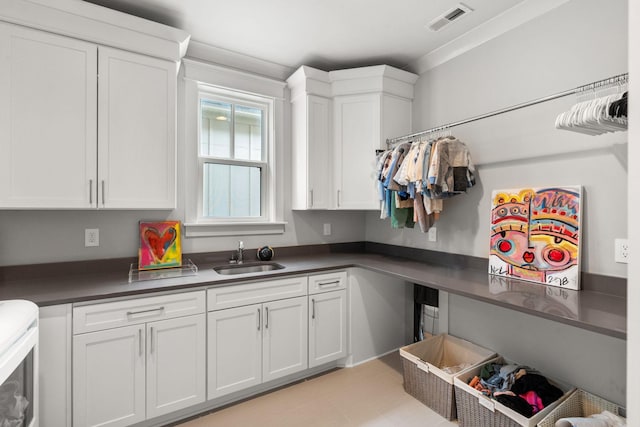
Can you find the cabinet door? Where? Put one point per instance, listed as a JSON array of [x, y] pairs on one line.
[[175, 364], [234, 357], [327, 327], [136, 131], [311, 153], [109, 377], [284, 338], [356, 137], [47, 120]]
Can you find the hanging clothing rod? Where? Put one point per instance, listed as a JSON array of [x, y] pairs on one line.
[[620, 78]]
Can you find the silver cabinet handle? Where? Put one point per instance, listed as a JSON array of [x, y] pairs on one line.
[[140, 342], [103, 192], [258, 319], [338, 198], [266, 315], [151, 310], [90, 191], [335, 283], [313, 308], [311, 191], [152, 340]]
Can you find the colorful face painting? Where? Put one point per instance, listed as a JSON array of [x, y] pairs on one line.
[[159, 245], [535, 235]]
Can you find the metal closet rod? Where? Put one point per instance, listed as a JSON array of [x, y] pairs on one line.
[[591, 86]]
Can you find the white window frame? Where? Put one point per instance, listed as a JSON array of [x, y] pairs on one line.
[[264, 104], [220, 82]]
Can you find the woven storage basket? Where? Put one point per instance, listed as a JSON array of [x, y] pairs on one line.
[[477, 410], [424, 378], [579, 404]]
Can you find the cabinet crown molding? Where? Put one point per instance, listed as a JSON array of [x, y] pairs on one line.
[[373, 79], [97, 24]]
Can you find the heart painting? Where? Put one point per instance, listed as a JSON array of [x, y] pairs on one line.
[[159, 245]]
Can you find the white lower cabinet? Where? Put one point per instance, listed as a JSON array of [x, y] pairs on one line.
[[327, 327], [284, 338], [235, 349], [327, 317], [175, 364], [257, 332], [131, 373], [109, 377]]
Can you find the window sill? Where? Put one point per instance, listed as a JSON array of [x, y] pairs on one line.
[[233, 229]]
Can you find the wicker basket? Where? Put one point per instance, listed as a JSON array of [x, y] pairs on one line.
[[477, 410], [424, 378], [579, 404]]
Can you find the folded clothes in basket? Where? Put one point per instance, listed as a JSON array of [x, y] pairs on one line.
[[517, 387], [604, 419]]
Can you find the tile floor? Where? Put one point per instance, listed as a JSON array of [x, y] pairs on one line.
[[370, 395]]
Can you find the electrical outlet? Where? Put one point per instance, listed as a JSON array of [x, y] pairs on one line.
[[622, 251], [433, 234], [326, 230], [91, 237]]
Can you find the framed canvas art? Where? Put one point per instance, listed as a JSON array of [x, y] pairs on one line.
[[535, 235], [159, 245]]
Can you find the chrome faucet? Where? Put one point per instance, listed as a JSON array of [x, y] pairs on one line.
[[240, 252]]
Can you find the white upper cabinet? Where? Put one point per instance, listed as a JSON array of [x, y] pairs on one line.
[[136, 131], [371, 104], [47, 120], [339, 119], [83, 125], [312, 139]]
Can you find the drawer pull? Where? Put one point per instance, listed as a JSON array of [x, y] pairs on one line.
[[335, 283], [152, 310]]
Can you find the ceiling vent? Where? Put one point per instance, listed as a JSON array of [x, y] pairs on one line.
[[448, 17]]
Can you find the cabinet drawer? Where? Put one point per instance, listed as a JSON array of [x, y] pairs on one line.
[[109, 315], [255, 292], [319, 283]]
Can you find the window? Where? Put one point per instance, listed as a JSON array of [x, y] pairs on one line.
[[233, 148], [233, 123]]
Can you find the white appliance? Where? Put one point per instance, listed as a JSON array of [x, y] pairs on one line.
[[18, 364]]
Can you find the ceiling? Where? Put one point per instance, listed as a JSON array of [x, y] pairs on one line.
[[326, 34]]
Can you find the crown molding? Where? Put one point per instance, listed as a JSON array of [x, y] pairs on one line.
[[230, 59], [97, 24], [500, 24]]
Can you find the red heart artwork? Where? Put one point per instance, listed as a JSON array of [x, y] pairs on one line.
[[159, 243]]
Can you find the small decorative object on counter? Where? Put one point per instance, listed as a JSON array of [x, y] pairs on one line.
[[265, 253]]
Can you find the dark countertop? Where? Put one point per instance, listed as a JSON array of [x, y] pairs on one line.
[[84, 281]]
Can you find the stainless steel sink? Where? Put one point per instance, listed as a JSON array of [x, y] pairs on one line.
[[247, 268]]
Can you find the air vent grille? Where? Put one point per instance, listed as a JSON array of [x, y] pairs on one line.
[[448, 17]]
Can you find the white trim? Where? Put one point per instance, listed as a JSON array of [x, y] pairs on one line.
[[212, 54], [97, 24], [500, 24], [234, 229], [239, 81]]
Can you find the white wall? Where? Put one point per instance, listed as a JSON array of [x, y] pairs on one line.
[[577, 43]]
